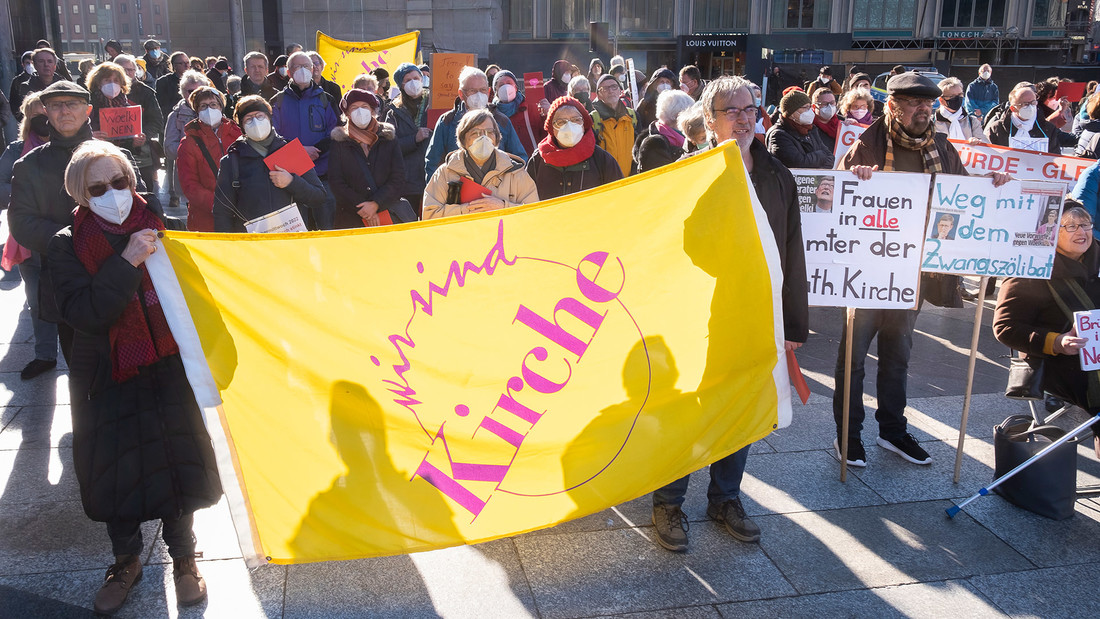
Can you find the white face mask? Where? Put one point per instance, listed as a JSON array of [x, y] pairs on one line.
[[1026, 113], [303, 76], [663, 87], [113, 206], [824, 79], [395, 92], [361, 117], [986, 74], [282, 71], [477, 101], [110, 89], [29, 68], [827, 111], [570, 134], [756, 101], [565, 77], [211, 116], [427, 81], [413, 88], [506, 93], [257, 129], [806, 117], [139, 74], [481, 148]]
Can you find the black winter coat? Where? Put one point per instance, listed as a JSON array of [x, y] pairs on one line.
[[414, 152], [140, 449], [244, 190], [552, 181], [357, 177], [795, 150], [653, 150], [1000, 130]]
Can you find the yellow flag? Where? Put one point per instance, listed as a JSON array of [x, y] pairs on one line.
[[390, 390], [344, 60]]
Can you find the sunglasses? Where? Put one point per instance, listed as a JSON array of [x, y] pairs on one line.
[[99, 189]]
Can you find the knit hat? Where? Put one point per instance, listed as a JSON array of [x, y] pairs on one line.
[[603, 78], [792, 101], [503, 73], [790, 89], [247, 105], [151, 44], [356, 95], [561, 102], [402, 70]]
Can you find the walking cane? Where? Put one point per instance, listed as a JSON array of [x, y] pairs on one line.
[[951, 511]]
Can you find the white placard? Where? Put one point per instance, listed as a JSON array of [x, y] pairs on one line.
[[981, 159], [846, 135], [975, 228], [863, 238], [1035, 145], [633, 83], [286, 219], [1088, 327]]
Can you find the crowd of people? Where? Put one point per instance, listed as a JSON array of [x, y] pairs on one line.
[[84, 214]]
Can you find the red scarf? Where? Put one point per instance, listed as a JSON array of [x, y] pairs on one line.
[[140, 337], [829, 127], [564, 157]]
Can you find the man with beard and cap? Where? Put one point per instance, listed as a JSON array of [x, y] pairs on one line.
[[795, 140], [558, 84], [1021, 121], [729, 113], [903, 140], [615, 124], [279, 76], [526, 117], [663, 79]]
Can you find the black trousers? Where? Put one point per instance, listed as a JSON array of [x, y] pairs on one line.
[[177, 533]]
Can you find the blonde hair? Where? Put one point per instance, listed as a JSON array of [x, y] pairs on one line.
[[29, 101], [100, 73], [856, 94], [76, 174]]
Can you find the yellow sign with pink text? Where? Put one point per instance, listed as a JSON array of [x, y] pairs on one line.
[[345, 60], [398, 389]]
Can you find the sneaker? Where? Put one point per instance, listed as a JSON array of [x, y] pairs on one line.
[[672, 526], [37, 368], [907, 447], [732, 514], [121, 578], [857, 456], [190, 586]]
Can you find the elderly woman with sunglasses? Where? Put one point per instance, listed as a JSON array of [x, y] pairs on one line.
[[140, 449]]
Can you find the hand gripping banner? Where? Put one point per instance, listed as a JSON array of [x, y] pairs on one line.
[[344, 60], [397, 389]]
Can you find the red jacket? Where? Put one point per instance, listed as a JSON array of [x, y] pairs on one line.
[[197, 179], [528, 124]]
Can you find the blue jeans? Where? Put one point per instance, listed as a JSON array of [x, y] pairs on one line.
[[45, 333], [725, 482], [894, 329]]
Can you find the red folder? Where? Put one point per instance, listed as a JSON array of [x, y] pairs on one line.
[[472, 191], [797, 378], [384, 219], [292, 158], [1074, 91]]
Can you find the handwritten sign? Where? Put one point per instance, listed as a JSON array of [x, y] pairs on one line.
[[845, 137], [1088, 327], [975, 228], [863, 238], [120, 122], [981, 159], [533, 87], [445, 70]]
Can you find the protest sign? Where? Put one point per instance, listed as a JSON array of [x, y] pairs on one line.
[[846, 135], [1088, 327], [445, 70], [120, 122], [286, 219], [975, 228], [633, 82], [292, 158], [1028, 143], [848, 225], [344, 60], [1074, 91], [981, 159], [533, 89]]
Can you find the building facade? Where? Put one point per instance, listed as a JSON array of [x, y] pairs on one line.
[[85, 25]]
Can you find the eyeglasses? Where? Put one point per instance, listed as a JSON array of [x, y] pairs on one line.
[[99, 189], [69, 106], [477, 133], [609, 89], [1071, 228], [559, 123], [732, 113], [1023, 105]]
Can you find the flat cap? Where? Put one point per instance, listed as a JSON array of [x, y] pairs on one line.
[[64, 88], [913, 85]]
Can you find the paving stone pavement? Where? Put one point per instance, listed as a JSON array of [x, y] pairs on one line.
[[878, 545]]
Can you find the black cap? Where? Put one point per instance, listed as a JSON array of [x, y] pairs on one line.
[[151, 44], [64, 88], [280, 62], [113, 44], [826, 70], [380, 73], [222, 65], [424, 68], [913, 85]]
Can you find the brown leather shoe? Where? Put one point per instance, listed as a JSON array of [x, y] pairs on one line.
[[121, 578], [190, 586]]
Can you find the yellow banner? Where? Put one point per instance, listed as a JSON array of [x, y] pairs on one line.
[[390, 390], [344, 60]]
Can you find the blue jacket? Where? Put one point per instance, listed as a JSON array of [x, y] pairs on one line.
[[309, 115], [445, 136], [981, 95], [1086, 190]]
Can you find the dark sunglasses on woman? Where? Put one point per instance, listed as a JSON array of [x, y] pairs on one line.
[[99, 189]]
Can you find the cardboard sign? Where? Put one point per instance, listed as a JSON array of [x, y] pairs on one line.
[[292, 158], [533, 90], [120, 122], [1028, 143], [286, 219], [981, 159], [1088, 327], [845, 137], [1074, 91], [975, 228], [445, 70], [863, 238]]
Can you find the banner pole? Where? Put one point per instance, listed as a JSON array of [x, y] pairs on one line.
[[970, 373], [849, 323]]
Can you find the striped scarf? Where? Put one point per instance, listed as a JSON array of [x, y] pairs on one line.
[[925, 143]]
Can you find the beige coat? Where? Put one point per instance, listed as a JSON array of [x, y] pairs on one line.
[[508, 180], [971, 126]]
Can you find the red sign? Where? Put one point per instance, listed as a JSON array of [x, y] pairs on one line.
[[533, 90], [120, 122], [293, 158]]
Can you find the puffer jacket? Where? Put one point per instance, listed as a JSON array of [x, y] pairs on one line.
[[796, 150], [981, 96], [308, 115], [1088, 143], [197, 178], [507, 180], [357, 177]]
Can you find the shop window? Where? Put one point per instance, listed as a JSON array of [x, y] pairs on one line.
[[885, 17], [645, 16], [521, 19], [569, 18], [800, 14], [1050, 14], [720, 15]]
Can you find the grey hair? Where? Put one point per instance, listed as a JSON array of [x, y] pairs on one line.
[[577, 81], [314, 56], [472, 119], [949, 82], [856, 94], [1077, 213], [1014, 95], [467, 73], [192, 76], [670, 103], [724, 86], [690, 121]]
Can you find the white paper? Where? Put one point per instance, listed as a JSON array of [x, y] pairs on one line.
[[286, 219], [1088, 326]]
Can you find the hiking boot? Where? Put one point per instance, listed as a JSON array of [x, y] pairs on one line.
[[37, 367], [672, 526], [732, 514], [190, 586], [121, 578], [857, 456], [907, 447]]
